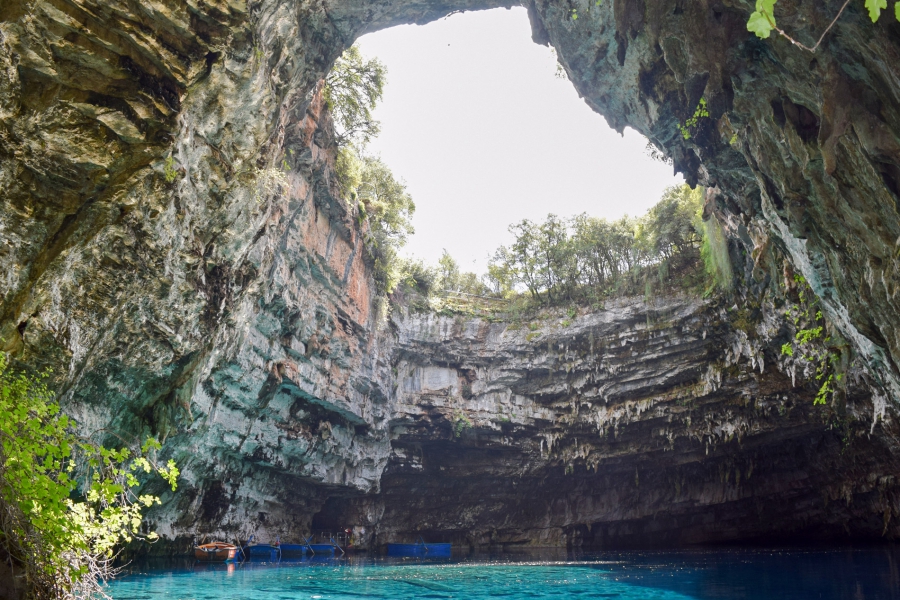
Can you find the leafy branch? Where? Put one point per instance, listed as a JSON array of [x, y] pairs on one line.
[[66, 504], [700, 112], [762, 20]]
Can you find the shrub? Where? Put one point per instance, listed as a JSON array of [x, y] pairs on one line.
[[66, 504]]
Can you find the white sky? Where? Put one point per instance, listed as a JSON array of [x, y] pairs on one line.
[[484, 134]]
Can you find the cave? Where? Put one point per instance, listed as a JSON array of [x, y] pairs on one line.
[[169, 293]]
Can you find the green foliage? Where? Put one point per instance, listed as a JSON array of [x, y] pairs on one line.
[[384, 204], [700, 112], [169, 170], [387, 204], [451, 278], [825, 390], [585, 259], [348, 168], [810, 340], [762, 20], [582, 260], [461, 422], [417, 277], [352, 89], [269, 182], [805, 336], [65, 503], [501, 275], [875, 7], [573, 13], [714, 252], [670, 225]]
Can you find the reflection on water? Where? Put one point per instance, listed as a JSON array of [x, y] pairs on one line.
[[721, 574]]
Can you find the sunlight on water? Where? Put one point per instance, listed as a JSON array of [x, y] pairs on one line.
[[512, 581], [863, 575]]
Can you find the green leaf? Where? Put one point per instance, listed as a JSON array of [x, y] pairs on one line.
[[760, 25], [897, 10], [875, 7]]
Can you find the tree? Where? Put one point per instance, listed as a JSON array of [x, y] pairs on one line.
[[522, 255], [671, 223], [352, 89], [388, 208], [66, 504], [586, 258], [387, 204], [501, 274], [448, 271]]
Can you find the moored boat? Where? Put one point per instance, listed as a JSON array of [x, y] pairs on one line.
[[294, 549], [419, 549], [215, 552], [322, 549]]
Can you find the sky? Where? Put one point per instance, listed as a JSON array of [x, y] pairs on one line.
[[484, 134]]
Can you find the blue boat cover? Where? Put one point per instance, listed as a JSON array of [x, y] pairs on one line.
[[265, 550], [424, 550], [322, 548]]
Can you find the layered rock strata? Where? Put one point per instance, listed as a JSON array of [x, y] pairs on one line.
[[173, 244], [659, 423]]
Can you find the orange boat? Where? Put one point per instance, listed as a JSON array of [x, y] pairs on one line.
[[215, 552]]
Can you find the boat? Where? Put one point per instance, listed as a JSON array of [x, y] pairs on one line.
[[215, 552], [265, 551], [262, 551], [419, 549], [294, 549], [322, 549]]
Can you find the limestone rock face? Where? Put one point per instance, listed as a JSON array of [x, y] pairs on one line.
[[173, 244], [659, 423], [175, 248], [801, 147]]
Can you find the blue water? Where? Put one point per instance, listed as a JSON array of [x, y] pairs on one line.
[[867, 574]]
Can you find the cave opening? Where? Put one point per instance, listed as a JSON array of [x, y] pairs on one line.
[[486, 129]]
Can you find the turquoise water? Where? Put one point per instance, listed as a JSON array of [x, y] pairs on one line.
[[871, 574]]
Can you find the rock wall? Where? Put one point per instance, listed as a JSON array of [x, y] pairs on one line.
[[173, 245], [645, 423], [175, 248], [802, 147]]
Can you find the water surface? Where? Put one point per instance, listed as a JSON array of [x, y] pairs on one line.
[[721, 574]]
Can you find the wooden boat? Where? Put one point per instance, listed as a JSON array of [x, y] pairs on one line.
[[419, 549], [215, 552]]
